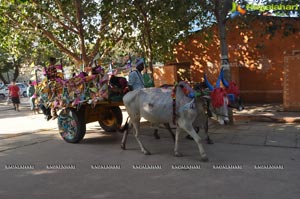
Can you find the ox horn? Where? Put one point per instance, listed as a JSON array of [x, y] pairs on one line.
[[225, 83], [210, 87], [218, 81]]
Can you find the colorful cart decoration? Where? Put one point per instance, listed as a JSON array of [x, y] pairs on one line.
[[83, 99]]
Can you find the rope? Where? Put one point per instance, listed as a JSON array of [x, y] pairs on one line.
[[174, 104]]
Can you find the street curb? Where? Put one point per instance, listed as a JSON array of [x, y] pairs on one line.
[[264, 118]]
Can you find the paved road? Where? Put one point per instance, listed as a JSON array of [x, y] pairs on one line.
[[248, 160]]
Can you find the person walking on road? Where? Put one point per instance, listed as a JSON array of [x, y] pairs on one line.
[[14, 93], [31, 95]]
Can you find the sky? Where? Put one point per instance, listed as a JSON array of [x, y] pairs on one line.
[[258, 4]]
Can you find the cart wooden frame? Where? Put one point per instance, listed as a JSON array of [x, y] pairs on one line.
[[72, 122]]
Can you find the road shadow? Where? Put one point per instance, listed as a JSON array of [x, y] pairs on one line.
[[9, 112], [102, 138]]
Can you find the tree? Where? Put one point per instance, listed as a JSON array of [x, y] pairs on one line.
[[220, 10], [14, 51], [5, 65], [78, 28], [83, 29], [160, 25]]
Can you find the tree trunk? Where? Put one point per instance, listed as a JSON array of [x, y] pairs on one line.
[[3, 79], [225, 6], [16, 65], [224, 51], [146, 37]]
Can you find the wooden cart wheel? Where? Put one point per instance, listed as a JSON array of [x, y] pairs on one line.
[[113, 119], [71, 127]]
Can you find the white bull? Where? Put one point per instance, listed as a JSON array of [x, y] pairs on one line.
[[156, 106]]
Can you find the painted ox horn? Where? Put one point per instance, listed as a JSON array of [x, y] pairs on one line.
[[225, 83], [210, 87], [218, 81]]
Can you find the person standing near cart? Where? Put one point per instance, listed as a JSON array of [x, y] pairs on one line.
[[31, 95], [51, 74], [14, 93]]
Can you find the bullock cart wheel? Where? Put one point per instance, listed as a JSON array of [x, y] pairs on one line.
[[71, 125], [111, 119]]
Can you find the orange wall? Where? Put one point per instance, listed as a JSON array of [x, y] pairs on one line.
[[291, 94], [171, 73], [256, 55], [164, 75]]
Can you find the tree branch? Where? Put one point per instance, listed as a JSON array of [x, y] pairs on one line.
[[48, 34], [64, 14], [77, 4], [117, 40], [98, 41], [64, 26], [60, 45], [55, 19]]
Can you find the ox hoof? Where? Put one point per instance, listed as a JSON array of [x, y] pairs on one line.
[[189, 137], [177, 154], [204, 159], [123, 146], [156, 135], [241, 108], [209, 141], [146, 152]]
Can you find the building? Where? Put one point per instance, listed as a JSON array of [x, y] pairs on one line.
[[259, 54]]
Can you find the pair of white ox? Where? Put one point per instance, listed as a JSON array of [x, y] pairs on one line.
[[183, 106]]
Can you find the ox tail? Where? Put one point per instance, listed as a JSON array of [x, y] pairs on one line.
[[125, 126]]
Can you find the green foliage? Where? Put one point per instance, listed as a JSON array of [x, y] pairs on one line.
[[158, 26], [78, 28], [82, 29]]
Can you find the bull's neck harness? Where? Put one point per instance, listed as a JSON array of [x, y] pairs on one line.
[[190, 94], [174, 104]]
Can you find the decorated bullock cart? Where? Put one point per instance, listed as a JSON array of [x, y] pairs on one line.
[[84, 99]]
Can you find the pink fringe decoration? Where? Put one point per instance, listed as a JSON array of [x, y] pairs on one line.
[[217, 97]]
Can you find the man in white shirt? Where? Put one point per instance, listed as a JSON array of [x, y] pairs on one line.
[[135, 80]]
